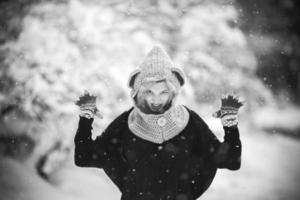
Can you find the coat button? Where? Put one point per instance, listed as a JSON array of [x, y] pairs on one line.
[[162, 121]]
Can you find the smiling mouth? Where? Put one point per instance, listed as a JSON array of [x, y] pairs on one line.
[[156, 107]]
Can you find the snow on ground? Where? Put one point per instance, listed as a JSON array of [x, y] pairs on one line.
[[20, 183], [270, 171]]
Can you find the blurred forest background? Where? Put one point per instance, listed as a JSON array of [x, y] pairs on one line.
[[51, 50]]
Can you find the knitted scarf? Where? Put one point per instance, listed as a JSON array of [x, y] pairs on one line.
[[158, 128]]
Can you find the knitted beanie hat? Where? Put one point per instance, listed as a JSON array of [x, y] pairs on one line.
[[156, 66]]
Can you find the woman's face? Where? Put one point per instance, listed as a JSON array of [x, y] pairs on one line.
[[154, 98]]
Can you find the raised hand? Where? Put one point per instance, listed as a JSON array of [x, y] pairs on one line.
[[86, 99], [228, 112], [87, 105]]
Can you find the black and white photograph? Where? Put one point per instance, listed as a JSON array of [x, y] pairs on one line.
[[149, 100]]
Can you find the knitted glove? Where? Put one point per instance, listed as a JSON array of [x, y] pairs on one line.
[[229, 110], [87, 106]]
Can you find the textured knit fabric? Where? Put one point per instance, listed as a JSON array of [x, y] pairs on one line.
[[87, 110], [229, 120], [229, 116], [230, 105], [181, 168], [156, 66], [158, 128]]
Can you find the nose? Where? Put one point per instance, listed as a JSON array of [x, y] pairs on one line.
[[156, 100]]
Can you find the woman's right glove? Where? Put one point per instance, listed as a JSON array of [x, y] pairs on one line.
[[87, 106]]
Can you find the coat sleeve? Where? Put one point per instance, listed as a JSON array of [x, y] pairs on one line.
[[226, 154], [99, 152]]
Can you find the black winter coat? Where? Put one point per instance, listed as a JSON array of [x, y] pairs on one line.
[[181, 168]]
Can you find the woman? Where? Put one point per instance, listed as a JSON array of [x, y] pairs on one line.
[[158, 150]]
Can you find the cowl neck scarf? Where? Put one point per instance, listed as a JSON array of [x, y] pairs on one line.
[[158, 128]]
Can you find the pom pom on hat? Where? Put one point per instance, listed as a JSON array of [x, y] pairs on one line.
[[156, 66]]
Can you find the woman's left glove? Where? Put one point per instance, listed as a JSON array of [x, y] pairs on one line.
[[229, 110]]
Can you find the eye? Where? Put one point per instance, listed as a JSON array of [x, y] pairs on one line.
[[165, 92], [148, 92]]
